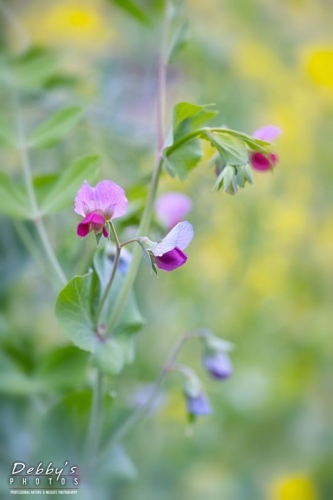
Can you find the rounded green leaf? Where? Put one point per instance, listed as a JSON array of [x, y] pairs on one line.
[[109, 358], [73, 310]]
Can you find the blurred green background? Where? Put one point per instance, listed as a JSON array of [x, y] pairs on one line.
[[260, 266]]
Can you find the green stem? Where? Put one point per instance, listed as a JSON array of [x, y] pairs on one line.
[[133, 240], [23, 148], [112, 276], [149, 207], [205, 131], [29, 242], [144, 408], [95, 424], [49, 250]]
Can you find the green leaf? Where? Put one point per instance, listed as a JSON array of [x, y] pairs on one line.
[[109, 358], [132, 9], [69, 420], [127, 344], [43, 184], [34, 67], [248, 173], [62, 368], [253, 143], [119, 464], [64, 188], [178, 42], [52, 130], [131, 320], [13, 201], [14, 381], [232, 149], [74, 312], [188, 117], [181, 161], [76, 305]]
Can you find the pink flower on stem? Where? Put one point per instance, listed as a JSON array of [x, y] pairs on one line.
[[258, 160], [98, 205], [168, 253], [172, 207]]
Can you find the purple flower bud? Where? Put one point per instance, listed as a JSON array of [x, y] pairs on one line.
[[258, 160], [171, 260], [218, 365], [98, 205], [172, 207], [198, 405]]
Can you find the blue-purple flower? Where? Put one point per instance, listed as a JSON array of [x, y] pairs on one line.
[[217, 364], [198, 405]]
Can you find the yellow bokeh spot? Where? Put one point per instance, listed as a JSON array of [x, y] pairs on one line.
[[80, 19], [296, 487], [320, 66], [70, 23]]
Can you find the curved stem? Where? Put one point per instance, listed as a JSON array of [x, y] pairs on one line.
[[133, 240], [142, 410], [113, 273]]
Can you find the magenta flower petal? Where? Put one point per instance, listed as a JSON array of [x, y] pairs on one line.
[[267, 133], [180, 236], [262, 162], [107, 197], [92, 222], [172, 207], [171, 260]]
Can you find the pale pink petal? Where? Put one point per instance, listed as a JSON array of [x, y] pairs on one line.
[[172, 207], [180, 236], [85, 200], [107, 197], [110, 199], [267, 133]]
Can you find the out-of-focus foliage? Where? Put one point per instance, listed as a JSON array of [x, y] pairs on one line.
[[260, 266]]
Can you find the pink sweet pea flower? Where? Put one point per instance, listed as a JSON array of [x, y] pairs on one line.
[[258, 160], [98, 205], [172, 207], [168, 253]]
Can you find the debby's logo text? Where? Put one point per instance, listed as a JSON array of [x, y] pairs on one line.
[[44, 476]]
